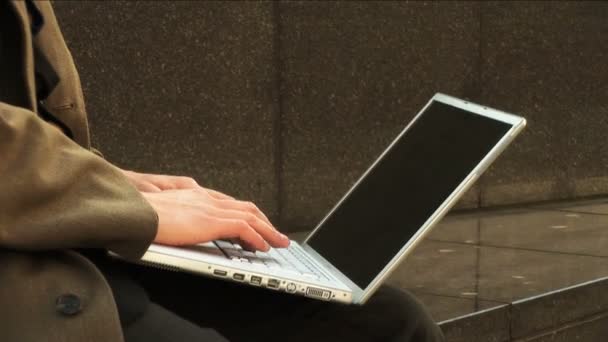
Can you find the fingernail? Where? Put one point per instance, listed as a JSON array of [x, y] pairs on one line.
[[284, 237]]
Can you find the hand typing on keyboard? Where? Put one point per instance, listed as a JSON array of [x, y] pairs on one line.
[[195, 215], [292, 259]]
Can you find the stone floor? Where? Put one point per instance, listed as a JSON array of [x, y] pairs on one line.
[[480, 260], [485, 259]]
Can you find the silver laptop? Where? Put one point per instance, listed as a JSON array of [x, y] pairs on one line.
[[380, 220]]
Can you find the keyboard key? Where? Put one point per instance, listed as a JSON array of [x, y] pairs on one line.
[[232, 253], [223, 244], [291, 260], [249, 254], [207, 249]]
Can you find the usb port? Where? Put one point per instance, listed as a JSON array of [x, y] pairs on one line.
[[256, 280], [273, 283], [220, 273], [238, 276]]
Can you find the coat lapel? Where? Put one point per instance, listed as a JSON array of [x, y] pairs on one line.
[[66, 101], [27, 52]]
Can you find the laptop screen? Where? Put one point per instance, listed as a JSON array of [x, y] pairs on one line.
[[404, 189]]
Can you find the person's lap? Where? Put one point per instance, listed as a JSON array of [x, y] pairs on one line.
[[160, 325], [245, 313]]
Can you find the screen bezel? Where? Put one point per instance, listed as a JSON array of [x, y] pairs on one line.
[[517, 124]]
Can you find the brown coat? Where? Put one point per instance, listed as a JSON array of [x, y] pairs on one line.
[[56, 195]]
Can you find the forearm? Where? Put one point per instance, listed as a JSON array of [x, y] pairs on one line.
[[57, 195]]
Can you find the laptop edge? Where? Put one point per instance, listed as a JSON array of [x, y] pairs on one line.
[[360, 295]]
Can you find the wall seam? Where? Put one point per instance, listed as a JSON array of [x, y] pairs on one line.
[[278, 115], [477, 265], [479, 89]]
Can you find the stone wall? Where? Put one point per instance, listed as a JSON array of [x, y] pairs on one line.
[[287, 103]]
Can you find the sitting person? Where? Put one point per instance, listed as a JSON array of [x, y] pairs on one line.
[[64, 206]]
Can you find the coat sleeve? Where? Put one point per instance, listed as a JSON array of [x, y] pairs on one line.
[[97, 152], [54, 194]]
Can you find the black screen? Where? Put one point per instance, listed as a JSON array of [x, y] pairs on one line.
[[404, 189]]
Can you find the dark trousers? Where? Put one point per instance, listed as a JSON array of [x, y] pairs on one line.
[[183, 307]]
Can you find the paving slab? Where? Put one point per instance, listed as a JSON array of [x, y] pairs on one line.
[[554, 231], [441, 268], [463, 229], [507, 274]]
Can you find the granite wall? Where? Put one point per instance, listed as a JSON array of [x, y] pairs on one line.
[[286, 103]]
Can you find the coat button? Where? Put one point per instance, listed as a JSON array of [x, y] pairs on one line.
[[68, 304]]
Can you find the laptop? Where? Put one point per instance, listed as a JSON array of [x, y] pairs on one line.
[[379, 221]]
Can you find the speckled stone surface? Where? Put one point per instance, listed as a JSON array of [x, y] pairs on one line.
[[485, 258], [441, 268], [550, 231], [456, 228], [182, 88], [599, 207], [507, 274], [547, 61], [288, 103], [590, 329], [353, 75], [444, 308], [563, 307], [488, 326]]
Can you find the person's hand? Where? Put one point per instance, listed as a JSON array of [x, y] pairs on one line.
[[146, 182], [192, 216]]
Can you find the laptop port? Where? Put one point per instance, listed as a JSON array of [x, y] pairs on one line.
[[318, 293], [256, 280], [274, 283], [291, 287], [238, 276], [220, 272]]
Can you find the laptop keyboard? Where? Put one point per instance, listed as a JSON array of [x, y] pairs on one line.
[[290, 259]]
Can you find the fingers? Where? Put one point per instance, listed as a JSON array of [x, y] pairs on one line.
[[192, 216], [234, 228], [247, 207], [243, 244], [165, 182], [268, 233]]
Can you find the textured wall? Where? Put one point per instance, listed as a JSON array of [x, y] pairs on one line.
[[182, 88], [287, 103], [353, 75], [548, 61]]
